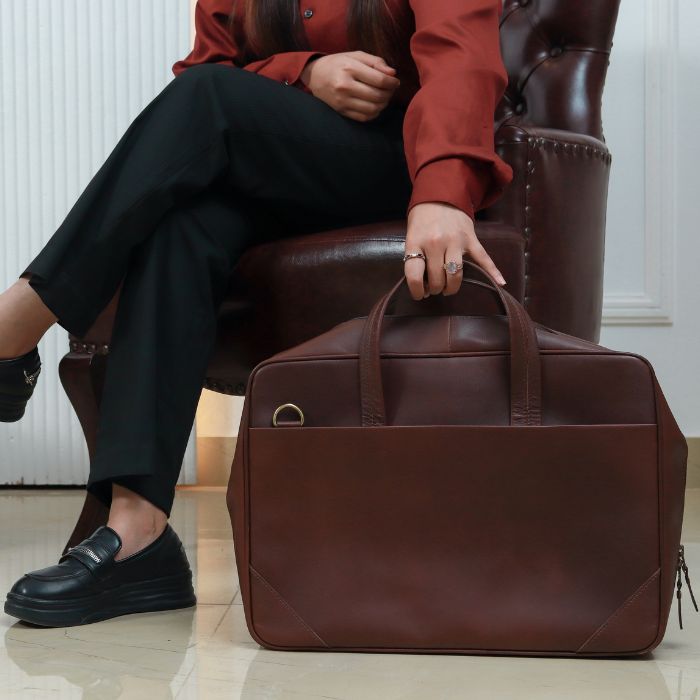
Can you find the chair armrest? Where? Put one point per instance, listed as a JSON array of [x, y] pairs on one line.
[[558, 200]]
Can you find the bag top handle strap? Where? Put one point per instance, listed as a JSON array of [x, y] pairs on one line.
[[525, 381]]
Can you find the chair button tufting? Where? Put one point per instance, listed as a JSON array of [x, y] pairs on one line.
[[555, 51]]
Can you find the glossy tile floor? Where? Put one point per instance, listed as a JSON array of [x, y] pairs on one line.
[[206, 652]]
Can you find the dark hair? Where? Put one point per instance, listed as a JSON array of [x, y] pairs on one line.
[[275, 26]]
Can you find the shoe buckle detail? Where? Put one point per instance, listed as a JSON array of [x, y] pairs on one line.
[[87, 550], [31, 378]]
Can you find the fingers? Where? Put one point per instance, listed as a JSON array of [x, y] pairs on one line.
[[379, 63], [360, 116], [364, 110], [444, 234], [414, 270], [479, 255], [435, 252], [361, 91], [384, 67], [453, 280], [373, 76], [371, 60], [439, 280]]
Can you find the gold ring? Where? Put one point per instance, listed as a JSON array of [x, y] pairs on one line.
[[287, 405]]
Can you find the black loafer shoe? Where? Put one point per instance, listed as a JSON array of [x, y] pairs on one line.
[[88, 585], [18, 377]]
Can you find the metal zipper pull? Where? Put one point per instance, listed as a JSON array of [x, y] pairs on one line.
[[682, 566]]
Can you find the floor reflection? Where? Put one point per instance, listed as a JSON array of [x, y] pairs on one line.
[[207, 652]]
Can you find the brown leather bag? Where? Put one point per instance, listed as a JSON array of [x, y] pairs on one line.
[[489, 486]]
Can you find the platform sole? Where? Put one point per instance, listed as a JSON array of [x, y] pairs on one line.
[[166, 593], [11, 408]]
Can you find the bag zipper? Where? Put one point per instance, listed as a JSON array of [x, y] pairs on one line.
[[682, 566]]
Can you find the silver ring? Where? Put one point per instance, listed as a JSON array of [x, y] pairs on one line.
[[452, 267], [407, 256]]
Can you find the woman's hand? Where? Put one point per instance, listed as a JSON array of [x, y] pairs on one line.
[[355, 83], [443, 233]]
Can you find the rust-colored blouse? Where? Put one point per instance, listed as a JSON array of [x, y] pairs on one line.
[[452, 78]]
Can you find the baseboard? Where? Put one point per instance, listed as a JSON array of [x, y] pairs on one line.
[[215, 454]]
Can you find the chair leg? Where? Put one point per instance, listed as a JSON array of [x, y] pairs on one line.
[[82, 376]]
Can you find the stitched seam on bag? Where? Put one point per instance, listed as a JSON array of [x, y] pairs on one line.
[[367, 375], [364, 372], [380, 408], [368, 339], [276, 594], [374, 412], [527, 369], [621, 609]]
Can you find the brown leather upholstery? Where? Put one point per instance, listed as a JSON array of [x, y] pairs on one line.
[[546, 232]]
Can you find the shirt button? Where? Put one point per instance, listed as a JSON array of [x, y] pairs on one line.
[[308, 14]]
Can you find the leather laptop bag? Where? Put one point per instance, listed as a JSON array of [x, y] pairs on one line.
[[457, 484]]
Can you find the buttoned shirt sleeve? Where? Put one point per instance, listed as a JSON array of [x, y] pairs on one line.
[[214, 44], [449, 124]]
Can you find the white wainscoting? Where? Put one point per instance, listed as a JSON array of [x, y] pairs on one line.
[[73, 75], [652, 286], [654, 50]]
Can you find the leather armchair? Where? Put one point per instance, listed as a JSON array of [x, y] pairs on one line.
[[546, 233]]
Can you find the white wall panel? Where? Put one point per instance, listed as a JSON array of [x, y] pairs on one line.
[[652, 286], [639, 108], [73, 74]]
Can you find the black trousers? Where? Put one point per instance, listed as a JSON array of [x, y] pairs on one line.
[[219, 160]]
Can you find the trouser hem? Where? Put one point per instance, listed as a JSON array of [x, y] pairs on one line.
[[147, 486], [102, 490], [63, 300], [132, 468]]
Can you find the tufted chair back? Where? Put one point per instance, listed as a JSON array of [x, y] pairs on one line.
[[556, 53], [548, 128]]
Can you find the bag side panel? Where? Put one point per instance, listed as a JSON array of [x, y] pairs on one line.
[[673, 460]]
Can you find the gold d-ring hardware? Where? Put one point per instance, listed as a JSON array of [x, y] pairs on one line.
[[287, 405]]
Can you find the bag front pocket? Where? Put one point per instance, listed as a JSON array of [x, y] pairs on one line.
[[455, 537]]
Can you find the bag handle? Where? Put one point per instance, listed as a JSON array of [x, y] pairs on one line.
[[525, 384]]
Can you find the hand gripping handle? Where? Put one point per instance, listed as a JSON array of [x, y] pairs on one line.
[[525, 384]]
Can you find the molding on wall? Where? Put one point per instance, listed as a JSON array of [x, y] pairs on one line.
[[654, 304]]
